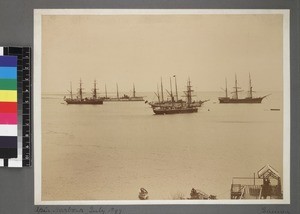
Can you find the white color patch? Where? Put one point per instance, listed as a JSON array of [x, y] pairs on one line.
[[15, 162], [8, 130]]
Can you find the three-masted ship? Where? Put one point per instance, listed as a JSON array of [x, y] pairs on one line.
[[235, 97], [79, 99], [124, 97], [176, 106]]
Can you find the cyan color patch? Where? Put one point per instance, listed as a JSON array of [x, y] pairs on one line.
[[8, 72]]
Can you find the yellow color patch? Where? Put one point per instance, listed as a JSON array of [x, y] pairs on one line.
[[8, 96]]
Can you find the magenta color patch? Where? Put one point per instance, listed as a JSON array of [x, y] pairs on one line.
[[8, 118]]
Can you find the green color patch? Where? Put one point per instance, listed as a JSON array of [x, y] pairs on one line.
[[8, 84]]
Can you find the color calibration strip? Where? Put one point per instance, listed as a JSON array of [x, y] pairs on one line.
[[21, 85], [8, 108]]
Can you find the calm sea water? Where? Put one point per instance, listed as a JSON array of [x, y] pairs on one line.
[[109, 151]]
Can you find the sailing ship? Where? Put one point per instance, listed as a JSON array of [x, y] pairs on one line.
[[124, 97], [176, 106], [235, 98], [94, 100], [174, 100]]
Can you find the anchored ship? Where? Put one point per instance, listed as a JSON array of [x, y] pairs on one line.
[[124, 97], [94, 100], [176, 106], [175, 101], [235, 98]]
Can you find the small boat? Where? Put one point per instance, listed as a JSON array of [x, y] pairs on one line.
[[275, 109]]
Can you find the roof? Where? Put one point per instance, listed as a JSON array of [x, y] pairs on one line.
[[268, 171]]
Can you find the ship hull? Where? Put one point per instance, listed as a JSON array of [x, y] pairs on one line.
[[84, 102], [225, 100], [135, 99], [175, 111], [179, 104], [165, 104]]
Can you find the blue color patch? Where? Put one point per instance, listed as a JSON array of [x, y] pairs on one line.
[[8, 72], [8, 61]]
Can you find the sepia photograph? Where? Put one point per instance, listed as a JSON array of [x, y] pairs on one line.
[[161, 106]]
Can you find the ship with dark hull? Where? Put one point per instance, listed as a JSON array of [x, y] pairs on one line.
[[175, 106], [175, 101], [235, 98], [244, 100], [175, 110], [80, 100], [124, 98], [179, 103]]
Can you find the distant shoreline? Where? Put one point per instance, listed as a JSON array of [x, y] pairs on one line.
[[146, 92]]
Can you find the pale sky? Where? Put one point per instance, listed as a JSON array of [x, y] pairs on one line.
[[127, 49]]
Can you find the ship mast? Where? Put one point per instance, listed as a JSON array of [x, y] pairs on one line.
[[71, 92], [171, 94], [117, 91], [176, 88], [250, 87], [189, 93], [80, 90], [162, 90], [236, 91], [105, 91], [95, 90], [133, 93], [157, 94], [226, 91]]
